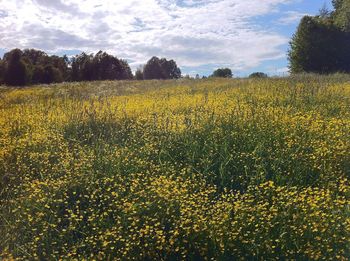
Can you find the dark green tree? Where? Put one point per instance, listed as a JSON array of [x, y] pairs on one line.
[[313, 47], [82, 67], [170, 69], [341, 14], [321, 43], [101, 66], [153, 69], [75, 69], [126, 73], [258, 75], [34, 57], [38, 75], [157, 68], [16, 73], [223, 73], [44, 68], [52, 74], [2, 71], [61, 64]]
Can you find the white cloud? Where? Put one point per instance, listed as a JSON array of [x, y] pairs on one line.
[[291, 17], [277, 71], [193, 32]]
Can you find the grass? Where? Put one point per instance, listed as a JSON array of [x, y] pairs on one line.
[[189, 169]]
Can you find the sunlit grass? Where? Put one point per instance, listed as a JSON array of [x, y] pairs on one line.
[[194, 169]]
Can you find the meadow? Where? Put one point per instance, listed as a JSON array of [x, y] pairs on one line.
[[215, 169]]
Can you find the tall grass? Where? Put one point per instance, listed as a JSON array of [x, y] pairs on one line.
[[185, 169]]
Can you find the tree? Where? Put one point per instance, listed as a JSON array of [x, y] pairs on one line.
[[313, 47], [51, 75], [223, 73], [75, 69], [34, 57], [2, 71], [321, 43], [170, 69], [82, 67], [44, 68], [139, 74], [104, 66], [157, 68], [126, 73], [153, 69], [337, 4], [341, 14], [61, 64], [108, 67], [324, 12], [16, 73], [101, 66], [32, 66], [258, 75], [38, 75]]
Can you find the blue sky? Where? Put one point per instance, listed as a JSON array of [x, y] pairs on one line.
[[200, 35], [287, 29]]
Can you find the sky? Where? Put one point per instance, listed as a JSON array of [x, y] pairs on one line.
[[200, 35]]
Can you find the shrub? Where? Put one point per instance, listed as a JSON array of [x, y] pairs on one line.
[[258, 75]]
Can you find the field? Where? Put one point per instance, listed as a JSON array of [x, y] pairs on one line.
[[215, 169]]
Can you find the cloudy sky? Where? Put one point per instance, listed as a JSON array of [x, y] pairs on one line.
[[201, 35]]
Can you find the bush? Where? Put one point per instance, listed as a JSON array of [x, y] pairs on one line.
[[258, 75], [223, 72]]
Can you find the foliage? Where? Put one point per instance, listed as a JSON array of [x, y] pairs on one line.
[[52, 75], [217, 169], [139, 74], [38, 75], [32, 66], [258, 75], [37, 67], [126, 73], [342, 14], [108, 67], [321, 43], [157, 68], [2, 71], [170, 69], [222, 72], [313, 47], [16, 72]]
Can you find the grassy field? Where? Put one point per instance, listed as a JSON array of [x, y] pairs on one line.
[[215, 169]]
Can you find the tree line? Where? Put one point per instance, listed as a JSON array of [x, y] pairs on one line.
[[31, 66], [321, 43]]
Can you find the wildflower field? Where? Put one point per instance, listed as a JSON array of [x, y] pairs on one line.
[[215, 169]]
